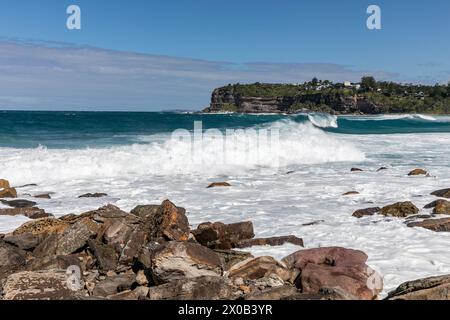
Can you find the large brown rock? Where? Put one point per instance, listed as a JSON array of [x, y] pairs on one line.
[[8, 193], [335, 267], [11, 258], [76, 236], [106, 256], [261, 267], [223, 236], [433, 288], [444, 193], [438, 225], [177, 260], [400, 209], [143, 211], [418, 172], [43, 226], [442, 207], [219, 184], [25, 241], [169, 223], [4, 184], [29, 212]]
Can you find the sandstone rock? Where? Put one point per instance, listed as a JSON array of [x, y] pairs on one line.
[[43, 226], [32, 213], [25, 241], [168, 223], [4, 184], [105, 255], [400, 209], [38, 286], [219, 184], [351, 193], [76, 236], [200, 288], [261, 267], [19, 203], [176, 260], [437, 225], [418, 172], [8, 193], [231, 257], [444, 193], [356, 170], [366, 212], [145, 211], [93, 195], [274, 241], [223, 236], [114, 284], [433, 288], [11, 258]]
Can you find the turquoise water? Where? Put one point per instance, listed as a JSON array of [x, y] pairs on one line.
[[90, 129]]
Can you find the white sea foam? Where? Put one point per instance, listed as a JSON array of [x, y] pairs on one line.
[[323, 120]]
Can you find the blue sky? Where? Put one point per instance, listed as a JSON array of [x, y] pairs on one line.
[[151, 55]]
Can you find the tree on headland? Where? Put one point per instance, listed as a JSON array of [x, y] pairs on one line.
[[368, 83]]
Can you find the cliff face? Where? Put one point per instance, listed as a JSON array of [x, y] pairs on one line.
[[225, 100]]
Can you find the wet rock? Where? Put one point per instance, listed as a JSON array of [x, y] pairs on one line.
[[27, 185], [4, 184], [38, 286], [223, 236], [437, 225], [219, 184], [8, 193], [261, 267], [356, 170], [444, 193], [200, 288], [335, 267], [442, 207], [168, 223], [382, 169], [114, 284], [313, 223], [366, 212], [418, 172], [176, 260], [105, 255], [231, 257], [25, 241], [400, 209], [351, 193], [19, 203], [93, 195], [11, 258], [43, 196], [432, 204], [145, 211], [274, 241], [32, 213], [76, 236], [433, 288], [43, 226]]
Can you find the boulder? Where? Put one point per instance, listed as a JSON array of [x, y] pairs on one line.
[[176, 260], [19, 203], [169, 223], [223, 236], [444, 193], [200, 288], [106, 256], [335, 267], [437, 225], [32, 213], [49, 285], [47, 247], [418, 172], [218, 184], [400, 209], [145, 211], [433, 288], [4, 184], [25, 241], [8, 193], [442, 207], [366, 212], [274, 241], [114, 284], [76, 236], [133, 247], [261, 267], [231, 257], [43, 226], [11, 258], [93, 195]]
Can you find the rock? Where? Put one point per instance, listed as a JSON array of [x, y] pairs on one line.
[[11, 258], [43, 226], [219, 184], [335, 267], [176, 260], [200, 288], [76, 236], [27, 185], [47, 247], [418, 172], [381, 169], [4, 184], [141, 278], [132, 248], [356, 170], [32, 213], [19, 203], [38, 286], [442, 207], [351, 193], [105, 255], [43, 196], [145, 210], [93, 195], [400, 209], [437, 225], [223, 236], [52, 262], [25, 241], [432, 204], [114, 284], [444, 193], [261, 267], [273, 294], [8, 193], [433, 288], [168, 223], [274, 241], [140, 293], [313, 223], [116, 233], [231, 257], [366, 212]]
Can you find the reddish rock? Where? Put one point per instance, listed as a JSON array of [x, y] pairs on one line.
[[8, 193], [168, 223], [4, 184], [418, 172], [219, 184], [223, 236]]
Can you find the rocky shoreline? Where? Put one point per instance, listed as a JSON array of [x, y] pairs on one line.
[[152, 253]]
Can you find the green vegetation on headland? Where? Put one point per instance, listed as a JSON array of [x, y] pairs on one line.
[[367, 97]]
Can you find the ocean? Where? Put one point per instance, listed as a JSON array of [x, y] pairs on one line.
[[295, 188]]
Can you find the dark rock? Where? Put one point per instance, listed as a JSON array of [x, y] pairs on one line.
[[32, 213], [105, 255], [418, 172], [366, 212], [223, 236], [351, 193], [145, 211], [27, 185], [356, 170], [76, 236], [132, 248], [231, 257], [26, 241], [382, 169], [444, 193], [52, 262], [219, 184], [274, 241], [93, 195], [400, 209], [437, 225], [432, 204], [11, 258], [43, 196], [8, 193], [47, 247], [114, 284], [19, 203], [433, 288], [442, 207], [313, 223]]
